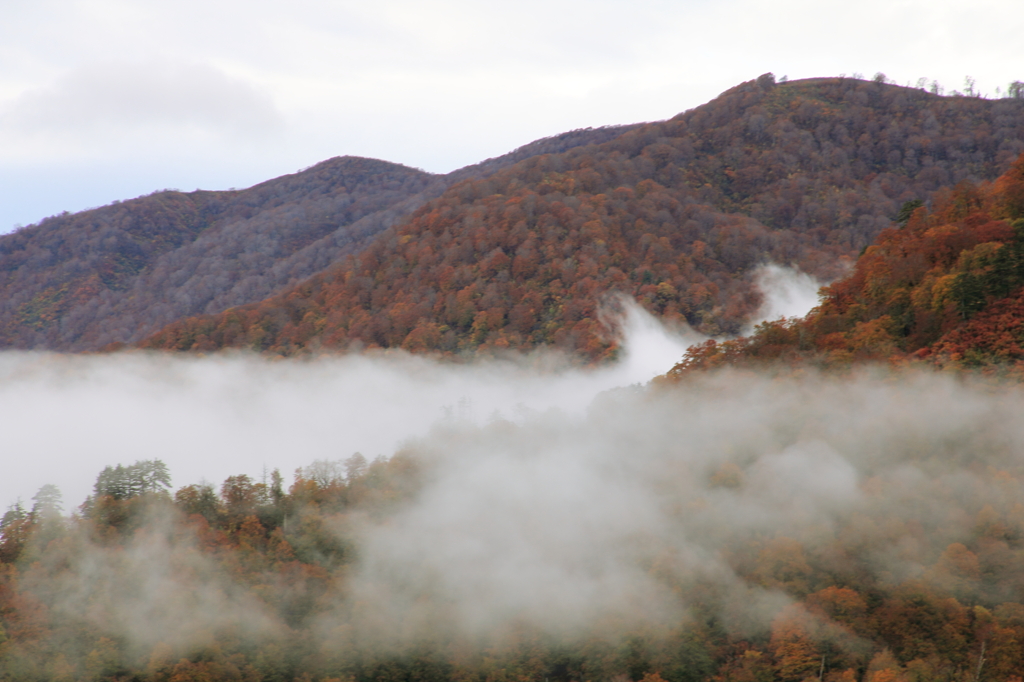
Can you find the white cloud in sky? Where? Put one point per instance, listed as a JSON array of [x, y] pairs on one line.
[[201, 94], [103, 106]]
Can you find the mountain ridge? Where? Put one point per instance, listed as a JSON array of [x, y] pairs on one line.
[[801, 173], [86, 280], [676, 214]]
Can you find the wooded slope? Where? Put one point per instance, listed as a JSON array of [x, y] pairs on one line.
[[842, 530], [82, 280], [942, 286], [674, 214], [118, 273]]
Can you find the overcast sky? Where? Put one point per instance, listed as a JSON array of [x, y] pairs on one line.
[[109, 99]]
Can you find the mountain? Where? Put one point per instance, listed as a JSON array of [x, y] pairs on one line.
[[944, 286], [118, 273], [676, 214]]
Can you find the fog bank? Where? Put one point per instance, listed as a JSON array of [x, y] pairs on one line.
[[719, 497], [64, 418], [566, 521], [521, 496]]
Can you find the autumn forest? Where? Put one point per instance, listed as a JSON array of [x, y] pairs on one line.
[[837, 497]]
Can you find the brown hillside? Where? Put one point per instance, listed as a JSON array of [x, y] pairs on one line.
[[944, 286], [79, 281], [675, 214], [119, 273]]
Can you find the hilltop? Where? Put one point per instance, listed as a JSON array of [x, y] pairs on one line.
[[121, 272]]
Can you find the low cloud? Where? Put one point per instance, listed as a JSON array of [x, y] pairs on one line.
[[219, 416], [160, 589], [547, 499], [564, 522], [229, 414]]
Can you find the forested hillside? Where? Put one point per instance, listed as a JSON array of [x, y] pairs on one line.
[[674, 214], [83, 280], [118, 273], [944, 286], [726, 529]]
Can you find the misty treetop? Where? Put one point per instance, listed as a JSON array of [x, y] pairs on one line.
[[122, 482]]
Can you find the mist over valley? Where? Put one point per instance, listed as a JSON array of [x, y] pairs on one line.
[[865, 520], [729, 397]]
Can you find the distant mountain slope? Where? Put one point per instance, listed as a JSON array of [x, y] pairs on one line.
[[555, 144], [675, 214], [118, 273], [944, 286], [79, 281]]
